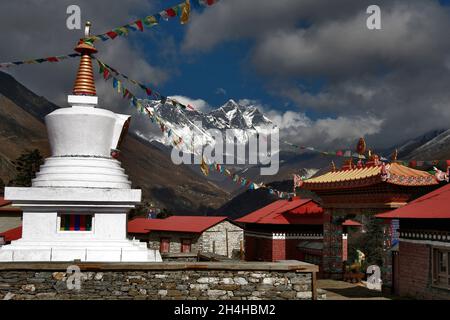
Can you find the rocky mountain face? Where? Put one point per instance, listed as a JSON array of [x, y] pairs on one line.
[[435, 148], [177, 188]]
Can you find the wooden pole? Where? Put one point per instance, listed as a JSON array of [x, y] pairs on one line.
[[314, 285], [226, 240]]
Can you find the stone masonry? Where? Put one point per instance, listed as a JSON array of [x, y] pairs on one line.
[[213, 240], [194, 281]]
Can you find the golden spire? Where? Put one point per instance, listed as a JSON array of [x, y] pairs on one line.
[[84, 82], [361, 146], [395, 155], [333, 166]]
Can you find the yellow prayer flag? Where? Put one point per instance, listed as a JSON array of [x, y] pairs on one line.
[[185, 12], [204, 167]]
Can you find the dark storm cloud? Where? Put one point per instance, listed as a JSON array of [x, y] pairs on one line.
[[37, 28], [34, 29]]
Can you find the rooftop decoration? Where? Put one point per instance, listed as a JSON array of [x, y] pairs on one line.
[[368, 175]]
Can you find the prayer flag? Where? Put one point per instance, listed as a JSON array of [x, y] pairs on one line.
[[185, 12], [204, 167]]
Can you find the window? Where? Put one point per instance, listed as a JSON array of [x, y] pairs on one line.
[[164, 245], [441, 270], [186, 245], [75, 222]]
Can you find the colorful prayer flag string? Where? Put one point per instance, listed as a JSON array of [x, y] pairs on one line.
[[40, 60], [107, 70], [181, 10], [349, 154]]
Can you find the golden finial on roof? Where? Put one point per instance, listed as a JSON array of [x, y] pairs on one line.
[[84, 82], [395, 155], [333, 166], [369, 154], [361, 146]]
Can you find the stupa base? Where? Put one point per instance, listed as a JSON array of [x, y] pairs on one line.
[[92, 251]]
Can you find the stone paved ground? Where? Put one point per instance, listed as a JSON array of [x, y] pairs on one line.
[[341, 290]]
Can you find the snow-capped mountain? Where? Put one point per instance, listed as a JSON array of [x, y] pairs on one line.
[[409, 146], [434, 149], [244, 121]]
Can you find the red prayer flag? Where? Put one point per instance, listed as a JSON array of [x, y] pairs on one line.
[[149, 91], [210, 2], [72, 222], [111, 34], [140, 25], [170, 12], [82, 222], [52, 59], [105, 74]]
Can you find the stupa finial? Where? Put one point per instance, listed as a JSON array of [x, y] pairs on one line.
[[87, 29], [84, 82], [395, 155]]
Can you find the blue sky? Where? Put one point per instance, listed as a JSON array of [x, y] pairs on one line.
[[201, 75]]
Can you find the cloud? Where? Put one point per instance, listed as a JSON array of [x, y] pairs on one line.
[[254, 19], [389, 83], [297, 127], [409, 37], [38, 29], [198, 104], [221, 91]]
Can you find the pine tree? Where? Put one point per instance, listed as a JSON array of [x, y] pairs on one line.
[[27, 165], [373, 240]]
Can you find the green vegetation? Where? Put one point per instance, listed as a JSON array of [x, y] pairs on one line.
[[26, 166]]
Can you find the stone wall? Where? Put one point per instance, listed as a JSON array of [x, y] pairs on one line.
[[213, 240], [193, 281], [223, 239], [415, 272], [10, 221]]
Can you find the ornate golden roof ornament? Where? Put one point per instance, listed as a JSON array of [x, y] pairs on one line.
[[395, 155], [361, 146], [84, 82], [333, 166]]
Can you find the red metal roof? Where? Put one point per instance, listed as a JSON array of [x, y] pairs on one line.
[[295, 211], [351, 223], [434, 205], [191, 224], [4, 202], [5, 206], [13, 234]]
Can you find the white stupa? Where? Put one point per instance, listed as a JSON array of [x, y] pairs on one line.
[[76, 208]]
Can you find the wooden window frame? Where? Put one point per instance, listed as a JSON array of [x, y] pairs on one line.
[[161, 240], [435, 273], [182, 243]]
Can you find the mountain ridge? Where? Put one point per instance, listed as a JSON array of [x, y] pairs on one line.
[[176, 188]]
